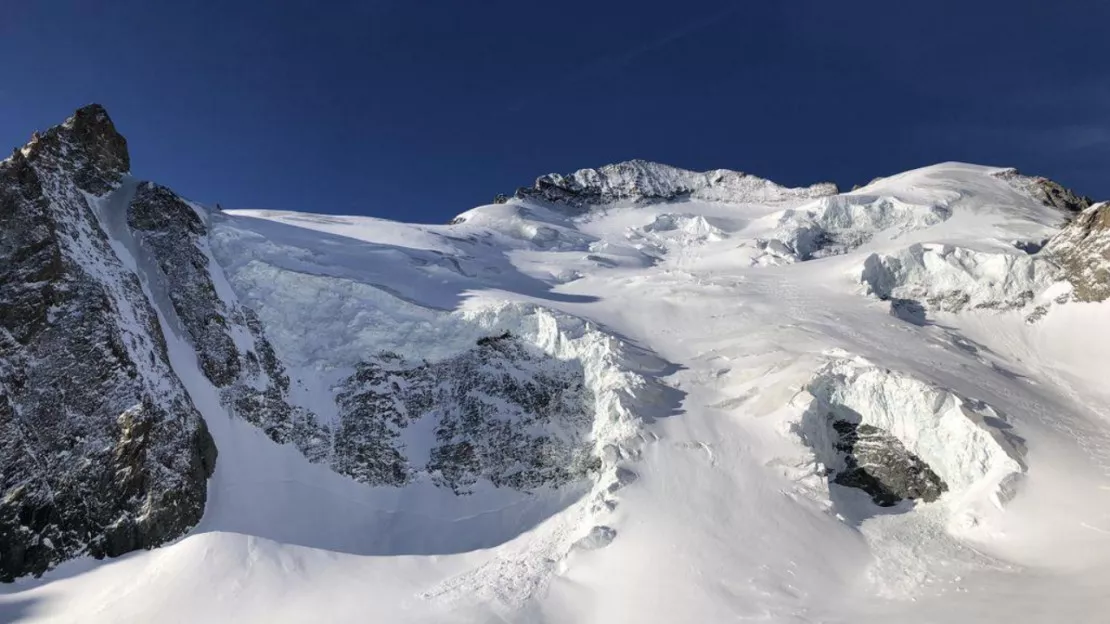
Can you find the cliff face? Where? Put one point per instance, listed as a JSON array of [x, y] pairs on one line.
[[101, 448], [499, 412], [171, 236]]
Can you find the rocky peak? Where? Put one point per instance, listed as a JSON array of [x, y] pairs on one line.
[[1082, 248], [644, 181], [101, 449], [1048, 192], [86, 144]]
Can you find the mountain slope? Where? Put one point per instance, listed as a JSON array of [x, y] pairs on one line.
[[634, 393]]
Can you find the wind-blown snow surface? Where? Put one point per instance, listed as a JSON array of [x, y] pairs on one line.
[[714, 333]]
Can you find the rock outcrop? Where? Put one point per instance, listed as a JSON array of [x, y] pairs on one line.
[[230, 344], [499, 412], [877, 463], [1050, 193], [1082, 249]]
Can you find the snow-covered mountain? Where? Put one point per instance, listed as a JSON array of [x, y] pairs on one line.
[[631, 393]]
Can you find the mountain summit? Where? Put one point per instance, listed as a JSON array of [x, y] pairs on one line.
[[89, 145], [640, 180]]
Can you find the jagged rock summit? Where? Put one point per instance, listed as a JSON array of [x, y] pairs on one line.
[[101, 448], [90, 146], [644, 181]]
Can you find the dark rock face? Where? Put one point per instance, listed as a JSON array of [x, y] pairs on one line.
[[1082, 249], [376, 404], [492, 406], [169, 230], [513, 417], [1031, 247], [101, 448], [499, 412], [909, 310], [253, 382], [877, 463], [598, 537], [95, 153]]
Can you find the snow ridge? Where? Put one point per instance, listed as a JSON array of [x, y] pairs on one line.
[[644, 181]]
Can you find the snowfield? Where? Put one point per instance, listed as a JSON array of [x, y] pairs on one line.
[[720, 324]]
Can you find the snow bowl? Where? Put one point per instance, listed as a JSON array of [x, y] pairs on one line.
[[417, 385], [964, 442]]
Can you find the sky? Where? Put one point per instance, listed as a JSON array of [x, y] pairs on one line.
[[420, 109]]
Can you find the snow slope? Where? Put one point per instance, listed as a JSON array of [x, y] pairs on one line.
[[715, 329]]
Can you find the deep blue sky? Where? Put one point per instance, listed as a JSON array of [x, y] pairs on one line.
[[418, 110]]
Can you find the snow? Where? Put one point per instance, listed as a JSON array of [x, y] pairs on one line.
[[952, 278], [704, 354], [842, 222]]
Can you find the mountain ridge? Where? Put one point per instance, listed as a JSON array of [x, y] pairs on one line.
[[641, 180]]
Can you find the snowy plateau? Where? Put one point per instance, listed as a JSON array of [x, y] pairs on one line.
[[628, 394]]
